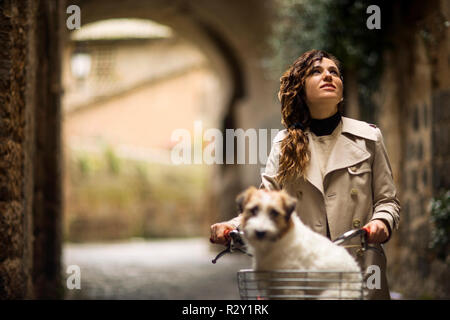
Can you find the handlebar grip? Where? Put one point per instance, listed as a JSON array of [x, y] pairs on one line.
[[367, 230], [226, 234]]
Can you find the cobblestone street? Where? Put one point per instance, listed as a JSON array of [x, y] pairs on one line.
[[163, 269]]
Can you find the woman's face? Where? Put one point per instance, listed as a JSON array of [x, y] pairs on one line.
[[323, 85]]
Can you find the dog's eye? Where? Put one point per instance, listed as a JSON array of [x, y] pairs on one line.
[[274, 213], [254, 211]]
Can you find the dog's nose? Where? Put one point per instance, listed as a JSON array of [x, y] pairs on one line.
[[260, 234]]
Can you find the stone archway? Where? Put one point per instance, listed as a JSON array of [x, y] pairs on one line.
[[192, 24], [232, 35]]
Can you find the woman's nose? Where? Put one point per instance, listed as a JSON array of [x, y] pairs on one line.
[[327, 75]]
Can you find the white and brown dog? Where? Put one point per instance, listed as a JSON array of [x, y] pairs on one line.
[[278, 240]]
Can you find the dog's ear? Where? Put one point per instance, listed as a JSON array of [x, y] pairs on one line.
[[289, 204], [243, 198]]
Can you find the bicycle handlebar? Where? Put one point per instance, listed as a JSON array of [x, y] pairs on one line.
[[237, 243], [363, 233]]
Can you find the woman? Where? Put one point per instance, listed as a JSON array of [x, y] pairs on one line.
[[335, 166]]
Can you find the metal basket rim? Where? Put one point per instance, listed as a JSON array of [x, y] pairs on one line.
[[298, 271]]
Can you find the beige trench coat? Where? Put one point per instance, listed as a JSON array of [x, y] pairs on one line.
[[357, 187]]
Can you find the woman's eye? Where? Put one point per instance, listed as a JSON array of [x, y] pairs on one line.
[[315, 71]]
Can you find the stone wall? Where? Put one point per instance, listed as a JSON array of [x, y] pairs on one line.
[[413, 116], [15, 214], [29, 162], [441, 140]]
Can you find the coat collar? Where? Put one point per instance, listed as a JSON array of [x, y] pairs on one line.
[[359, 128], [345, 153]]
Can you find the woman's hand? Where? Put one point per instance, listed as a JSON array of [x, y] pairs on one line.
[[218, 233], [379, 232]]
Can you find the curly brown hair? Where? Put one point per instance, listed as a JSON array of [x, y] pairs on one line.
[[294, 155]]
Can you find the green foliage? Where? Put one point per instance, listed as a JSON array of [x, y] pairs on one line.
[[87, 165], [440, 217], [112, 161], [84, 165], [338, 27]]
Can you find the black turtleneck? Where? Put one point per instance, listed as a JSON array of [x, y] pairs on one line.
[[323, 127]]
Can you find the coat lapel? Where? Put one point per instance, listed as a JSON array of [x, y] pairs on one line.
[[345, 153], [313, 174]]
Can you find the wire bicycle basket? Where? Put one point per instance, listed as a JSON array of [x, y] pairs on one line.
[[300, 285]]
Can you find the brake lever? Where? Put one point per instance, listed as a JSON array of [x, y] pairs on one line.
[[221, 253], [236, 243]]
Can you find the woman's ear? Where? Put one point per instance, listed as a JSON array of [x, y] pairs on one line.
[[279, 96]]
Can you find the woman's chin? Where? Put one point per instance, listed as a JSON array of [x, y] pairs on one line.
[[325, 99]]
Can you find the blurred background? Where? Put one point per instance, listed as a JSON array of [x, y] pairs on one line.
[[90, 115], [129, 83]]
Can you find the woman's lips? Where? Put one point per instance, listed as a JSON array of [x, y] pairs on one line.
[[328, 87]]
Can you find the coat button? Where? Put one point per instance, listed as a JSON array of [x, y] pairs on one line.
[[353, 192], [354, 169], [299, 194], [356, 223]]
